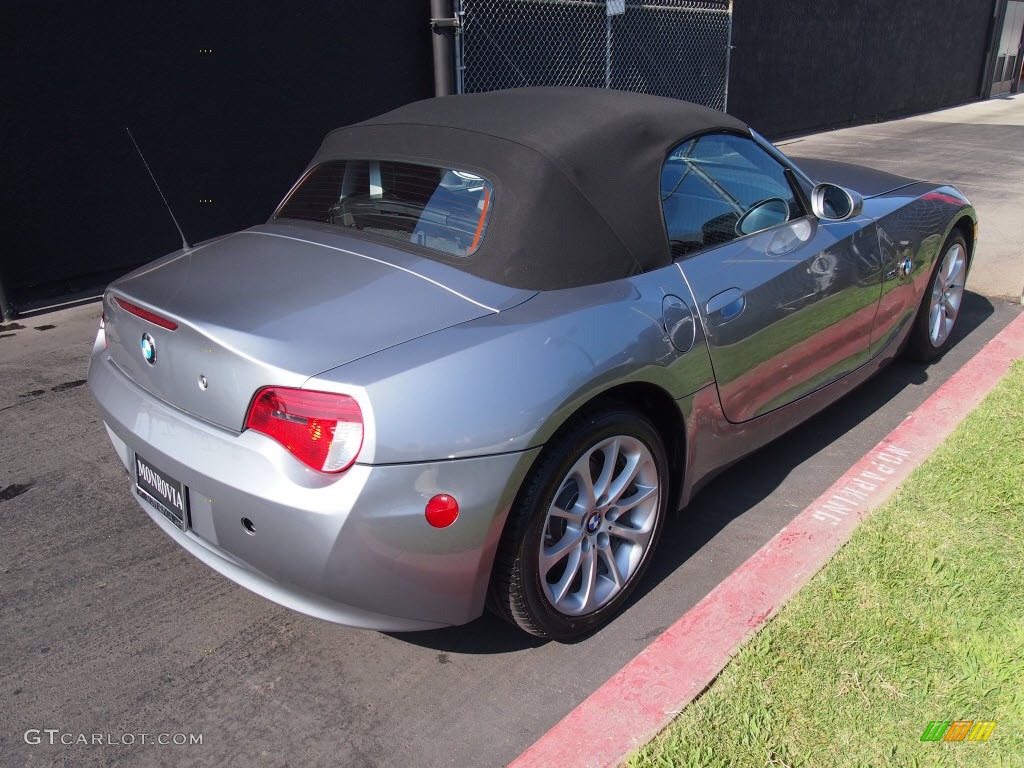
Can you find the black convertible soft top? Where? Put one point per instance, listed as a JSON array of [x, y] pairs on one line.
[[575, 171]]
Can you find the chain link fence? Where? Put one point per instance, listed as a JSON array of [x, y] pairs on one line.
[[675, 48]]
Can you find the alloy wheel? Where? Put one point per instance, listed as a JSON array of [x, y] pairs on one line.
[[599, 527], [947, 295]]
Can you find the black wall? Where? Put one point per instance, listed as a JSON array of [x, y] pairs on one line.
[[798, 65], [235, 126]]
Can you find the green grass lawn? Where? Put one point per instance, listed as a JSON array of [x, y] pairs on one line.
[[919, 617]]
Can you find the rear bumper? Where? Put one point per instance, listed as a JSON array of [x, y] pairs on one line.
[[354, 548]]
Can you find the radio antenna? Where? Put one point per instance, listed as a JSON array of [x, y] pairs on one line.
[[184, 242]]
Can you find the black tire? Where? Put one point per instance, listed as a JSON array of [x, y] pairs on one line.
[[940, 305], [554, 599]]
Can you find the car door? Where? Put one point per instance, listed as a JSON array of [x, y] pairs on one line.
[[787, 301]]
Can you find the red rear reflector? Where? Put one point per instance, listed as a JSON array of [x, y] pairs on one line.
[[145, 314], [442, 510], [324, 430]]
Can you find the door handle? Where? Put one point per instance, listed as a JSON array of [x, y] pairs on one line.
[[725, 306]]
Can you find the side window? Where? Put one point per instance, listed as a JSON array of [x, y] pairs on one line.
[[718, 187]]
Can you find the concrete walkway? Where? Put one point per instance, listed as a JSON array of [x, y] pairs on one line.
[[977, 147]]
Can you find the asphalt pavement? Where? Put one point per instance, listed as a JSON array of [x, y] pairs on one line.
[[109, 631], [979, 148]]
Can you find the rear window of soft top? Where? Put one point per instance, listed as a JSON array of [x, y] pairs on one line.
[[444, 209]]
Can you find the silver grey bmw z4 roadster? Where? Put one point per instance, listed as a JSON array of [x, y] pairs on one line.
[[488, 342]]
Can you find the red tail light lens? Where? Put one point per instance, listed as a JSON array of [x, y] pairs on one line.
[[145, 314], [323, 430]]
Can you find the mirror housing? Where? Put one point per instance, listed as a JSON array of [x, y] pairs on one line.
[[834, 203]]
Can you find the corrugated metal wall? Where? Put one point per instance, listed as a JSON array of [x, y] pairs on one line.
[[227, 100], [798, 65]]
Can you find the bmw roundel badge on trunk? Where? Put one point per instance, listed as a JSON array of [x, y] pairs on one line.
[[149, 349]]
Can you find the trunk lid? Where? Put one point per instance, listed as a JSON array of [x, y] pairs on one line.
[[275, 305]]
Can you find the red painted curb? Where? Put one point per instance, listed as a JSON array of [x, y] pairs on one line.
[[642, 697]]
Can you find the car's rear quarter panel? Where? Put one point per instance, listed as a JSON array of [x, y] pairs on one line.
[[506, 382]]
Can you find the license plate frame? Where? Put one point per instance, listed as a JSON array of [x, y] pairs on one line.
[[167, 494]]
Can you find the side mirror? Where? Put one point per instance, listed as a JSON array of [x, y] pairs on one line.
[[834, 203], [763, 214]]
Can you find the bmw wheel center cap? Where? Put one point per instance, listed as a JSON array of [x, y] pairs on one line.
[[149, 349]]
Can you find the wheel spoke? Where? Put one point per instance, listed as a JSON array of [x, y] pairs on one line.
[[954, 296], [613, 568], [943, 324], [611, 458], [552, 556], [625, 478], [572, 567], [584, 482], [639, 536], [951, 305], [955, 264], [937, 320], [643, 493], [574, 515], [588, 591]]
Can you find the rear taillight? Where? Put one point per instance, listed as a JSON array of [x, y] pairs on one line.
[[145, 314], [323, 430]]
